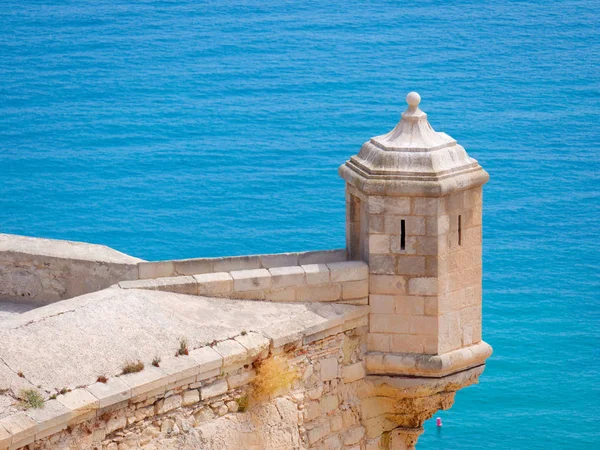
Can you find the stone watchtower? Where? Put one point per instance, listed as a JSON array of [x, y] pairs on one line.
[[414, 211]]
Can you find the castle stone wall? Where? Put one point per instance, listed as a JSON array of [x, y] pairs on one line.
[[42, 271], [345, 282], [202, 402]]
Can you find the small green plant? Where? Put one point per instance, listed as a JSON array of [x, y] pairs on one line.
[[102, 379], [156, 361], [183, 347], [243, 403], [53, 396], [63, 391], [132, 367], [30, 398], [244, 333]]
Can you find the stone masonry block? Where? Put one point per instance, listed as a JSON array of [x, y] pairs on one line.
[[191, 397], [322, 257], [379, 243], [387, 323], [410, 305], [437, 226], [410, 265], [382, 304], [214, 389], [316, 273], [234, 354], [241, 379], [286, 276], [193, 266], [236, 263], [214, 284], [353, 372], [389, 205], [113, 391], [81, 403], [168, 404], [149, 379], [376, 224], [428, 245], [319, 293], [255, 344], [378, 342], [20, 426], [431, 306], [251, 280], [279, 260], [348, 271], [329, 369], [407, 343], [156, 269], [207, 359], [423, 325], [281, 295], [355, 289], [53, 414], [387, 284], [422, 286], [5, 438], [179, 285], [382, 264], [329, 403], [427, 206]]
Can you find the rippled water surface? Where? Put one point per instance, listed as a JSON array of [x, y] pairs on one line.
[[187, 128]]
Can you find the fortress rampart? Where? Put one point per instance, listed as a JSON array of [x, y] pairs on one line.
[[375, 337]]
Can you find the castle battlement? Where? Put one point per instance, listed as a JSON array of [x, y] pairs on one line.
[[375, 337]]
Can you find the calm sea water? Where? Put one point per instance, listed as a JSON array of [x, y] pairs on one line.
[[186, 128]]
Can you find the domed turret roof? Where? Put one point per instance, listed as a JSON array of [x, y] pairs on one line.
[[412, 159]]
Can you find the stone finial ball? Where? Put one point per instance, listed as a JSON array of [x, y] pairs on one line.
[[413, 99]]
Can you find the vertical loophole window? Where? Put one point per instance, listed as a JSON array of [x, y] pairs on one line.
[[402, 234], [459, 231]]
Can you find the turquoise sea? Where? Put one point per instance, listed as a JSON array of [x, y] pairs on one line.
[[177, 129]]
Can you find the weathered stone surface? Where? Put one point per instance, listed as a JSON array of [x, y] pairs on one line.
[[348, 271], [81, 404], [286, 276], [217, 284], [214, 389], [329, 369], [251, 280], [20, 426], [316, 273], [113, 391], [42, 271]]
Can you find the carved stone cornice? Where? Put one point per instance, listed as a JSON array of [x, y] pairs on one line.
[[413, 158]]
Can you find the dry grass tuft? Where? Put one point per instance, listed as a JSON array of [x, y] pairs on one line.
[[132, 367], [273, 376], [102, 379], [30, 398], [156, 361]]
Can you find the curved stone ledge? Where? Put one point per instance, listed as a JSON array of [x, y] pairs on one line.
[[434, 366], [41, 271], [196, 266], [346, 282]]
